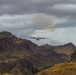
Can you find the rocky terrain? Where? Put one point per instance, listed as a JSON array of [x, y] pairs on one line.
[[73, 56], [67, 68], [22, 57]]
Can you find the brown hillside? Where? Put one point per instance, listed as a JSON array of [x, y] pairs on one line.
[[68, 68], [67, 49]]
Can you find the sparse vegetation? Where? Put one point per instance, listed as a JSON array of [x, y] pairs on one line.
[[6, 74], [68, 68]]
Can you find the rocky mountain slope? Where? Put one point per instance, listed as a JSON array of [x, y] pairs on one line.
[[73, 56], [67, 49], [45, 57], [22, 57], [67, 68], [13, 55]]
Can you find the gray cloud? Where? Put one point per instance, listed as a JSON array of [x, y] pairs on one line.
[[66, 23], [25, 24], [58, 8], [30, 6], [66, 26]]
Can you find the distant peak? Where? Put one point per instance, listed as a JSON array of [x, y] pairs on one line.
[[4, 34], [70, 44]]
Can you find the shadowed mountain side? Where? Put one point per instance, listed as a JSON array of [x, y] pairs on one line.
[[9, 43], [45, 57], [17, 67], [67, 68], [73, 57]]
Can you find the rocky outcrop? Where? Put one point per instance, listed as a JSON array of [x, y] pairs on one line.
[[67, 49], [73, 56], [17, 67]]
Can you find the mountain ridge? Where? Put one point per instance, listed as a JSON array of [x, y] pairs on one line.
[[41, 57]]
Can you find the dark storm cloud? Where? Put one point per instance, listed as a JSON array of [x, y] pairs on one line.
[[31, 6], [65, 26], [67, 23], [58, 8]]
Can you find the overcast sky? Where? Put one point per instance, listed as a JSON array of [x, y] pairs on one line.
[[53, 19]]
